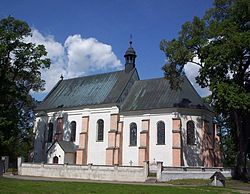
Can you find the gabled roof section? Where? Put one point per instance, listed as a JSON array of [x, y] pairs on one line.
[[157, 94], [86, 91], [67, 146]]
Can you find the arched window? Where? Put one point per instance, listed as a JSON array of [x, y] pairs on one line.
[[133, 134], [55, 160], [160, 133], [100, 130], [50, 134], [73, 131], [190, 133]]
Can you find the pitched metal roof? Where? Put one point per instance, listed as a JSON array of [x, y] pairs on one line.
[[157, 94], [84, 91], [67, 146]]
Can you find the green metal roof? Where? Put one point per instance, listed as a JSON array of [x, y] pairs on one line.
[[67, 146], [157, 94], [85, 91]]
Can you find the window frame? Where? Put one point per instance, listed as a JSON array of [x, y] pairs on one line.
[[163, 134], [190, 140], [100, 130], [132, 134], [50, 132], [73, 138]]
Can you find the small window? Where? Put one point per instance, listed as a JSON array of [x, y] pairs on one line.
[[73, 131], [100, 130], [50, 134], [160, 133], [133, 134], [55, 160], [190, 133]]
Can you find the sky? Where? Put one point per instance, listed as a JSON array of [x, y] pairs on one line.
[[85, 37]]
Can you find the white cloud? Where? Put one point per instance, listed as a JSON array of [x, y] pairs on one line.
[[89, 55], [76, 57], [191, 71]]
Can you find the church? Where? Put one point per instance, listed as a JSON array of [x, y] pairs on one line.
[[117, 119]]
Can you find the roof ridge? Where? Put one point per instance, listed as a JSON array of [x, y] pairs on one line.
[[159, 78], [99, 74], [50, 92], [133, 71]]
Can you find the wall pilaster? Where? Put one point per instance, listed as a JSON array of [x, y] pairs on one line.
[[176, 145], [114, 138], [144, 142], [82, 153]]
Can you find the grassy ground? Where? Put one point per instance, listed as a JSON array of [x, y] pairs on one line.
[[231, 184], [24, 187], [202, 182]]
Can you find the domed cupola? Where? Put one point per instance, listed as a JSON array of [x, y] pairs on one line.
[[130, 56]]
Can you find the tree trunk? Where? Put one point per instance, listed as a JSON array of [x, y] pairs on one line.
[[240, 171]]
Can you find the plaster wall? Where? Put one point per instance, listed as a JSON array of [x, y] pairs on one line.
[[156, 152], [56, 150], [97, 149], [92, 172], [162, 153], [68, 117], [192, 154]]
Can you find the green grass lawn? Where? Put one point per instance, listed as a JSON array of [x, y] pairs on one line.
[[25, 186]]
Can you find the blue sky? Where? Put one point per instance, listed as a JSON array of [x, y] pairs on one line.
[[69, 28]]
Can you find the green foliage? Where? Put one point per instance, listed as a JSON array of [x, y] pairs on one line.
[[221, 42], [20, 65]]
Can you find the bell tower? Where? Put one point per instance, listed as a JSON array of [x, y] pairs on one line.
[[130, 56]]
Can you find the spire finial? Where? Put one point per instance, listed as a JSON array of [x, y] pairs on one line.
[[61, 77], [130, 40]]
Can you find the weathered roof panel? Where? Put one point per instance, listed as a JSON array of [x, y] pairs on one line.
[[157, 94], [89, 90], [67, 146]]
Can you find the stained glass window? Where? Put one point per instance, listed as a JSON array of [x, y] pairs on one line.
[[100, 130], [133, 134], [160, 133], [50, 134], [190, 133], [73, 131]]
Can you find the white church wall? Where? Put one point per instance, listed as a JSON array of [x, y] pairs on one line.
[[73, 116], [55, 150], [192, 153], [161, 153], [130, 153], [68, 117], [97, 149]]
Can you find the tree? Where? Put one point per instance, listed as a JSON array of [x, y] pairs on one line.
[[221, 41], [20, 65]]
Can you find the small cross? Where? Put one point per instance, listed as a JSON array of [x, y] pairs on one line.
[[130, 42], [130, 162], [61, 77]]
